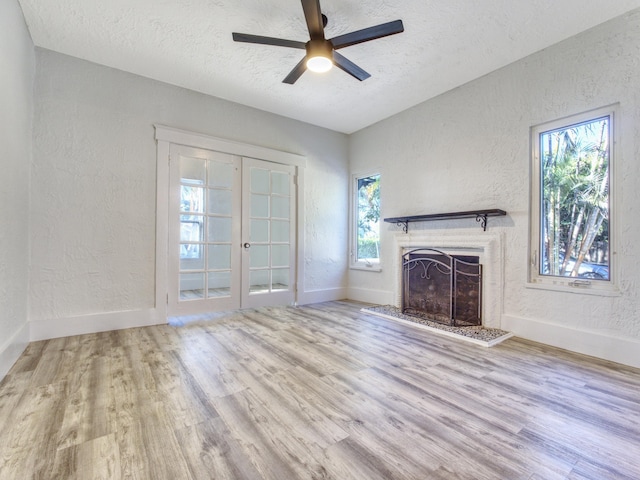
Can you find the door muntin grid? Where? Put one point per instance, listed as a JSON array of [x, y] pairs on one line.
[[206, 227], [270, 230]]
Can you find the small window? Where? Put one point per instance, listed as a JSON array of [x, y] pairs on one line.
[[571, 202], [365, 249]]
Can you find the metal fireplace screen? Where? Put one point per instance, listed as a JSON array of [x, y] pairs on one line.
[[443, 288]]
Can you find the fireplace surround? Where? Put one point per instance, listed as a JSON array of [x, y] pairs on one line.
[[487, 246]]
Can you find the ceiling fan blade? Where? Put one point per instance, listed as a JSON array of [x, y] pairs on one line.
[[313, 16], [348, 66], [278, 42], [297, 71], [366, 34]]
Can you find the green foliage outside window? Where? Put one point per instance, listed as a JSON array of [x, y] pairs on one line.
[[575, 163], [368, 212]]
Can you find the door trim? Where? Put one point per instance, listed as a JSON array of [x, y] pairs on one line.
[[164, 137], [199, 140]]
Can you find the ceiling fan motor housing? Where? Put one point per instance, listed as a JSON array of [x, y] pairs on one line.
[[319, 48], [319, 56]]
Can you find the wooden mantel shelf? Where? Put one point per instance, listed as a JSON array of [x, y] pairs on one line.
[[480, 216]]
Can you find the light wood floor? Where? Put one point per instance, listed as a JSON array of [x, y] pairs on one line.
[[317, 392]]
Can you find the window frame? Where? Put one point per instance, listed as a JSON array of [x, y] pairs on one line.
[[572, 284], [354, 263]]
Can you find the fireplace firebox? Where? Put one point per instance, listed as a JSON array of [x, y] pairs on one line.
[[441, 287]]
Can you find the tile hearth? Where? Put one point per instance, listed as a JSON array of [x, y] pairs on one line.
[[486, 337]]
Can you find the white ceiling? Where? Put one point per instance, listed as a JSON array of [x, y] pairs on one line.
[[188, 43]]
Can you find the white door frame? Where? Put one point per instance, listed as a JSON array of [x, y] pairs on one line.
[[165, 136]]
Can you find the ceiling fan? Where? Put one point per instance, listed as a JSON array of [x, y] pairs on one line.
[[321, 53]]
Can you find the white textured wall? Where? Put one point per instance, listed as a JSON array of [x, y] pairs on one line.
[[94, 179], [17, 65], [469, 148]]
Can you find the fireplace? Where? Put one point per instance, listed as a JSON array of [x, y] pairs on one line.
[[441, 287], [486, 245]]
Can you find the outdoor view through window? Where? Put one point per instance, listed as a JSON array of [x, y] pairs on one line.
[[368, 219], [574, 200]]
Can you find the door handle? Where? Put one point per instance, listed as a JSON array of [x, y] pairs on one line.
[[247, 245]]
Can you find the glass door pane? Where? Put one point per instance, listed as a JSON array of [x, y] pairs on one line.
[[268, 206], [207, 200], [232, 232]]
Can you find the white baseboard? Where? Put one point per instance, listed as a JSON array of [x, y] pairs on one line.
[[324, 295], [595, 344], [93, 323], [378, 297], [12, 348]]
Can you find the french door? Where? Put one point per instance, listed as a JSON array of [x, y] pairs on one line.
[[231, 232]]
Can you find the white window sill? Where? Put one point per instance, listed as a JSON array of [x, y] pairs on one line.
[[561, 286], [372, 267]]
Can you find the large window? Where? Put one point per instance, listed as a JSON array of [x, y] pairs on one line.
[[365, 243], [571, 202]]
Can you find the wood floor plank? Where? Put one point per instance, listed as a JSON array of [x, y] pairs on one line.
[[426, 427], [257, 348], [13, 387], [275, 452], [351, 460], [210, 364], [87, 402], [374, 427], [185, 400], [492, 431], [28, 449], [96, 459], [56, 360], [323, 391], [301, 416], [212, 452], [28, 361], [124, 413], [147, 444]]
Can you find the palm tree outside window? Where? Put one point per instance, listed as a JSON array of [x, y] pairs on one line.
[[571, 217]]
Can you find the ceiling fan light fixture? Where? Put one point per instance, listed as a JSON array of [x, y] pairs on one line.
[[319, 64], [319, 56]]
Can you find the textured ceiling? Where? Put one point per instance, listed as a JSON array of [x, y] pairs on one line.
[[188, 43]]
